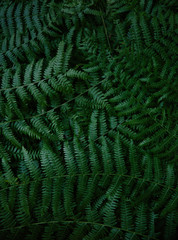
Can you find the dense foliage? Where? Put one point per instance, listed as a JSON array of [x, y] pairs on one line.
[[87, 119]]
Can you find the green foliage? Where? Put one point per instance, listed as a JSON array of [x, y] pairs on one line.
[[87, 119]]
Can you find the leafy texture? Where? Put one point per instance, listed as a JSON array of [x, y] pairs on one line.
[[87, 119]]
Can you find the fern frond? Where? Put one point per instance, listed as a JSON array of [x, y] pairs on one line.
[[87, 115], [141, 220], [126, 216], [31, 165]]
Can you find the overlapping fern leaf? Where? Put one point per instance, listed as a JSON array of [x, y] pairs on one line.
[[87, 120]]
